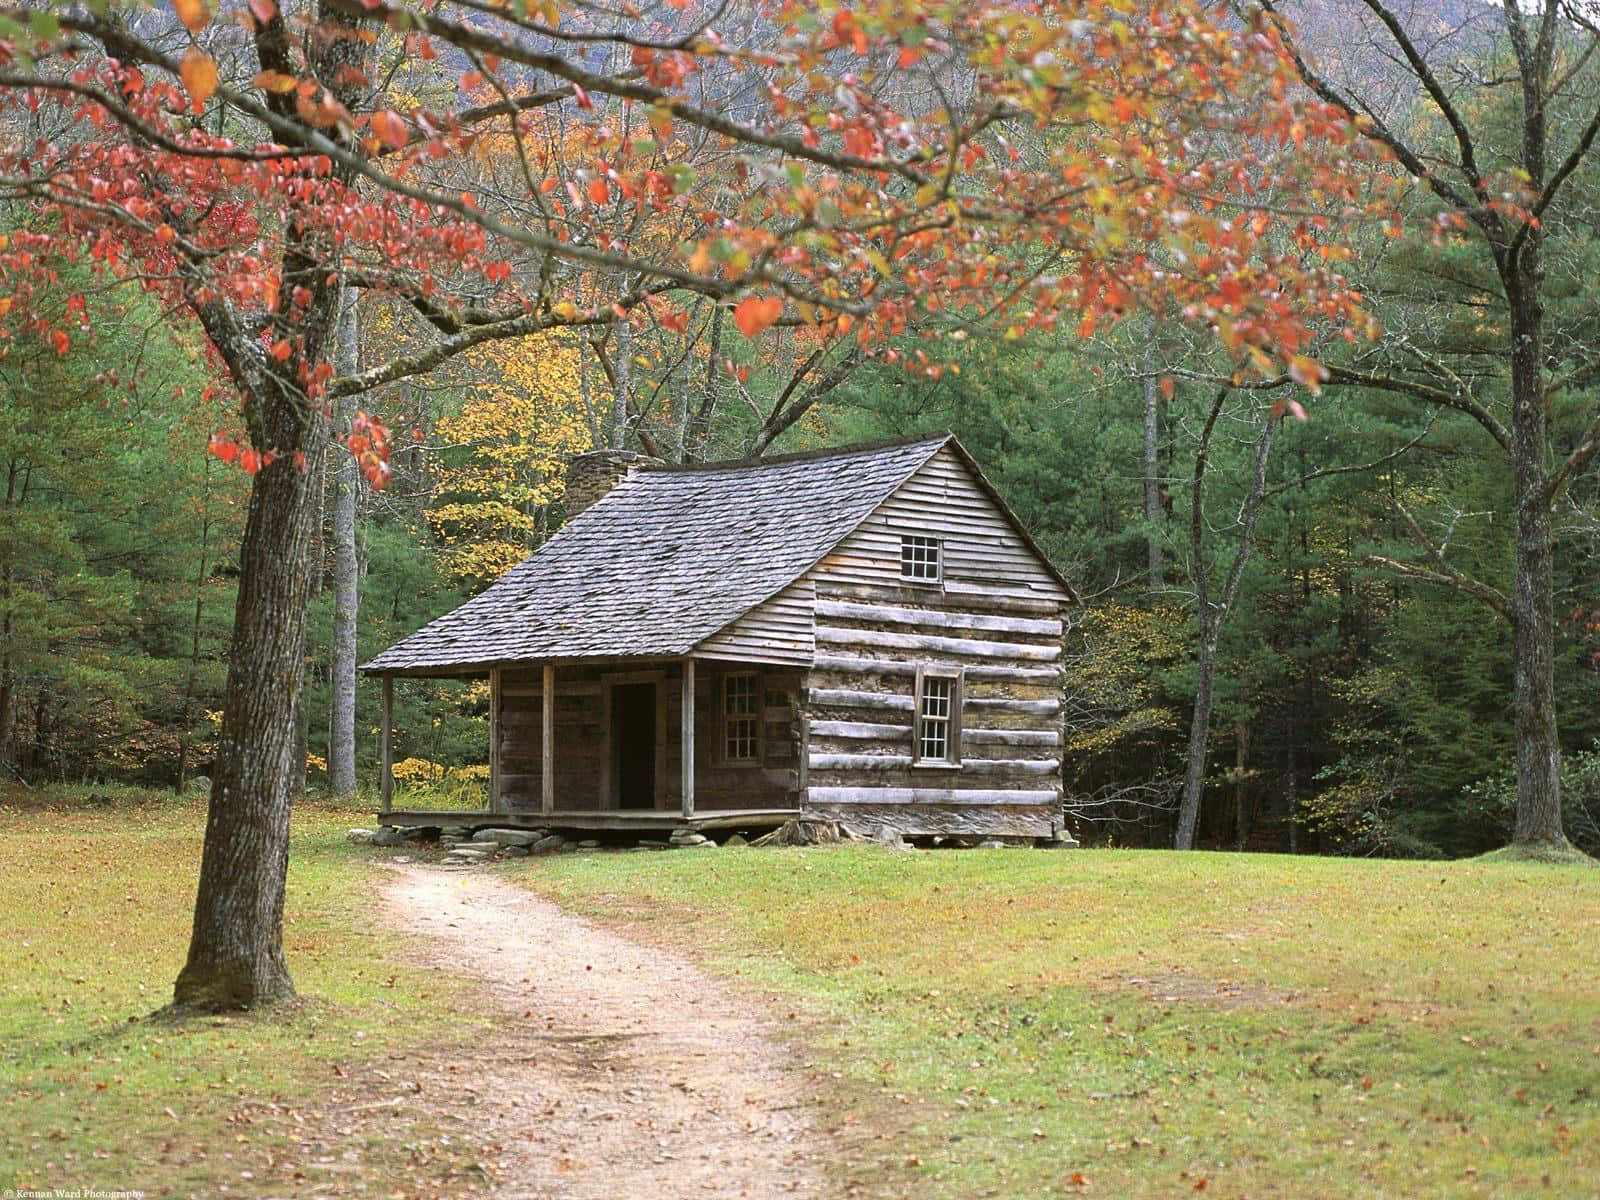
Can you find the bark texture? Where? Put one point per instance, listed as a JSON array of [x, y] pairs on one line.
[[236, 947], [346, 576], [236, 955]]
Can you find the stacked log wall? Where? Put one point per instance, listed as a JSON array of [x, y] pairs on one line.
[[996, 614]]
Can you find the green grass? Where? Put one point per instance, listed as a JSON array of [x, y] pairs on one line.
[[1150, 1024], [95, 1091]]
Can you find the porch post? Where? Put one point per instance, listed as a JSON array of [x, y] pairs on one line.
[[688, 737], [386, 748], [547, 740], [494, 740]]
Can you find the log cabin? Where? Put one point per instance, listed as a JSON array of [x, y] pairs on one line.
[[865, 635]]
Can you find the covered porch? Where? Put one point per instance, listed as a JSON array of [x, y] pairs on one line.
[[626, 745]]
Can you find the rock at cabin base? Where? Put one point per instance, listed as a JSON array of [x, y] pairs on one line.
[[360, 837], [548, 844], [507, 837], [589, 844], [388, 836], [517, 852]]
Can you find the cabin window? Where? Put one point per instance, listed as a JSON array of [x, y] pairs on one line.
[[919, 558], [741, 717], [938, 730]]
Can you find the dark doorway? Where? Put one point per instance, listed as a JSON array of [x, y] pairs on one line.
[[633, 738]]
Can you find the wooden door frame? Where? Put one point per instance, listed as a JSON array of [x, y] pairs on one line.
[[609, 799]]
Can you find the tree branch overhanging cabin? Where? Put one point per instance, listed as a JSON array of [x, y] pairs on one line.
[[866, 635]]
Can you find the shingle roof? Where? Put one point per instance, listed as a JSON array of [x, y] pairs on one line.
[[670, 556]]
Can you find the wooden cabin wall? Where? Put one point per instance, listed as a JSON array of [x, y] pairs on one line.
[[581, 742], [777, 630], [982, 552], [775, 782], [996, 613], [578, 738]]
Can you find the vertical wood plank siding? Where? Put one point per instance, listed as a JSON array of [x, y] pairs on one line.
[[495, 803], [996, 613], [581, 775], [386, 749]]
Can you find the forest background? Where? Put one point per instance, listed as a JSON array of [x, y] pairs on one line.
[[1358, 707]]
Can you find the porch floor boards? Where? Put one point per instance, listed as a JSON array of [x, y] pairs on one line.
[[636, 820]]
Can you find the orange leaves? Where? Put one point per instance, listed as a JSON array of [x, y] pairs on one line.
[[754, 314], [390, 128], [317, 107], [1285, 404], [223, 447], [62, 342], [369, 443], [199, 75], [195, 14], [1306, 370], [262, 10], [599, 190], [275, 81]]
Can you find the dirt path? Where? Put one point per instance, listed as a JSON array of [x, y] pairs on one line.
[[624, 1071]]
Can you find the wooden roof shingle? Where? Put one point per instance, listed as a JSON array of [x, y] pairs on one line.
[[667, 558]]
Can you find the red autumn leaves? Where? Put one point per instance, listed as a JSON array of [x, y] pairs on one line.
[[756, 313]]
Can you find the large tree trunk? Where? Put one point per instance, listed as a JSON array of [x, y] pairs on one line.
[[346, 581], [1533, 632], [236, 949]]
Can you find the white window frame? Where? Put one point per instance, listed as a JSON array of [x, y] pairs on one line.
[[910, 543], [725, 719], [952, 721]]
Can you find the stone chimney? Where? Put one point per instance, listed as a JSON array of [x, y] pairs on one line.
[[590, 476]]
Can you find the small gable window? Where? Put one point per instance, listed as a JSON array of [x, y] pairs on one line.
[[741, 717], [938, 729], [919, 558]]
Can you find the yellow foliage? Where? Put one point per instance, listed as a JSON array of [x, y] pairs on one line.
[[523, 418], [418, 770]]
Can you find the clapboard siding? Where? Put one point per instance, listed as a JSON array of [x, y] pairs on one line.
[[942, 498], [777, 631]]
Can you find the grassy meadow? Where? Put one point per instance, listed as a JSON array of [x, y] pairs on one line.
[[997, 1023], [98, 1091], [1131, 1024]]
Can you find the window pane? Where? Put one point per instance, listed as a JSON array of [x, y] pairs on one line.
[[740, 719], [919, 557], [933, 725]]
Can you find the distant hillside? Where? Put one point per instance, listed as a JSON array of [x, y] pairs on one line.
[[1351, 46]]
